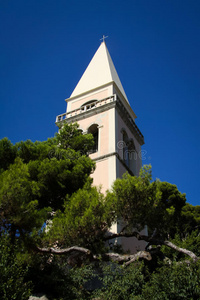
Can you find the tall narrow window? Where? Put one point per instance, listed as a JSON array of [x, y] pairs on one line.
[[125, 148], [132, 156], [93, 129]]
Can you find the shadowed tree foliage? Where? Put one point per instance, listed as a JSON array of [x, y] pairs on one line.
[[8, 154], [13, 284]]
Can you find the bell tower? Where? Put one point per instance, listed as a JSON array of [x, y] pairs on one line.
[[100, 105]]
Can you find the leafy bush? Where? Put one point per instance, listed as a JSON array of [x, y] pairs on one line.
[[121, 283]]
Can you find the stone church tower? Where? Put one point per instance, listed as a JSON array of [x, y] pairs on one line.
[[100, 105]]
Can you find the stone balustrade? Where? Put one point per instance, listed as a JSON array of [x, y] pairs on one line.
[[101, 103], [85, 108]]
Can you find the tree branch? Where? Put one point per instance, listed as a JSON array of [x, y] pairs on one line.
[[64, 251], [128, 259], [182, 250], [153, 241]]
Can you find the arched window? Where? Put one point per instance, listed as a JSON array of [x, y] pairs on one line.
[[93, 129], [129, 151]]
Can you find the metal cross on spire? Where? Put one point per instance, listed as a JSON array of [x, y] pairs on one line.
[[103, 38]]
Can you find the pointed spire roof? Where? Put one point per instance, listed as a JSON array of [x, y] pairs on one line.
[[99, 72]]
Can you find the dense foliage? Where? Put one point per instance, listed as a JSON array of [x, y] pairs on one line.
[[54, 227], [36, 177], [12, 272]]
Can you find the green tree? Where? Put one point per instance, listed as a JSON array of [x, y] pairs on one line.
[[18, 201], [40, 177], [84, 222], [48, 206], [87, 216], [139, 201]]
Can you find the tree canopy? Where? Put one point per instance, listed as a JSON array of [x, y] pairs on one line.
[[36, 177], [50, 209]]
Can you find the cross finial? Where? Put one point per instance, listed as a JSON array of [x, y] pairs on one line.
[[103, 38]]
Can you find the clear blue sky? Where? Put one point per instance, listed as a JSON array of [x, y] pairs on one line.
[[45, 46]]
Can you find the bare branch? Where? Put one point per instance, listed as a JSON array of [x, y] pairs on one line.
[[126, 258], [64, 251], [182, 250], [153, 241], [141, 254], [121, 258]]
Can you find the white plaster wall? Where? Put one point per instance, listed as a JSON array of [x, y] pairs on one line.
[[101, 175], [132, 244]]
